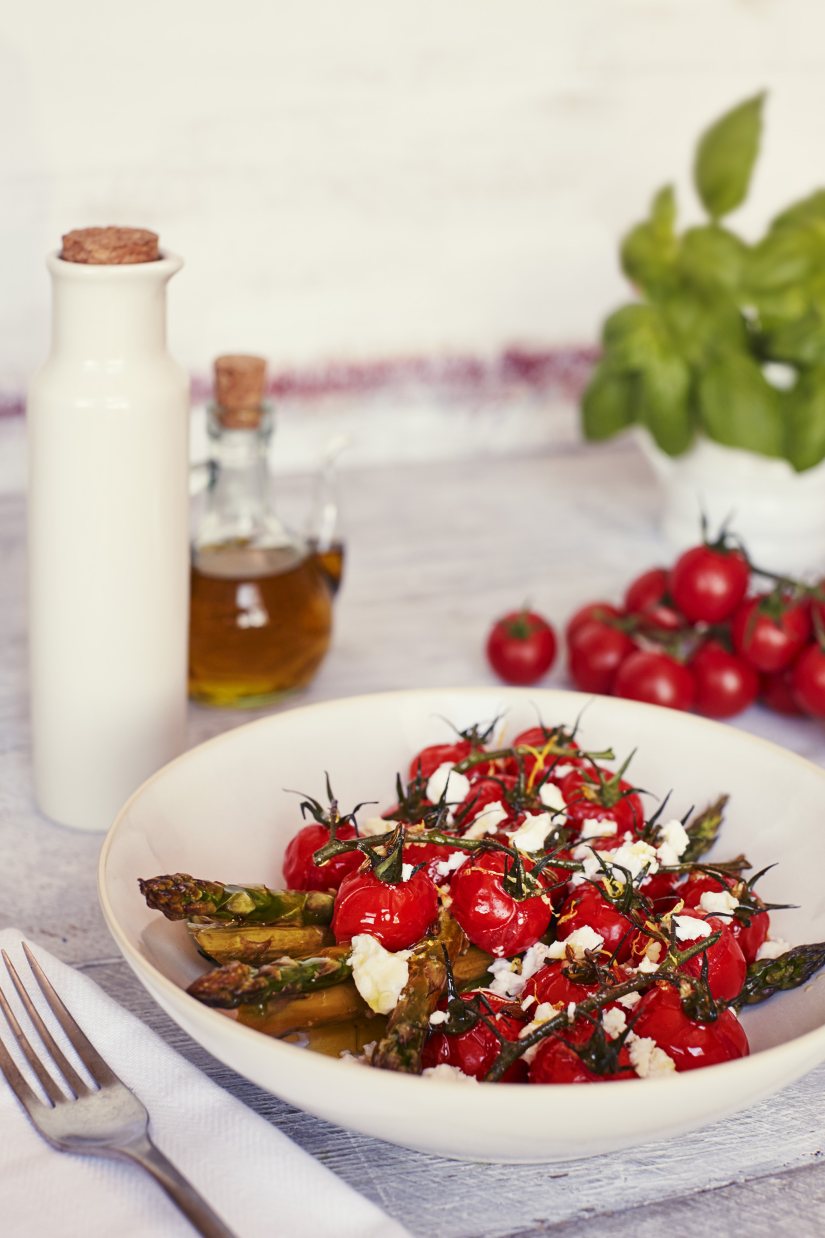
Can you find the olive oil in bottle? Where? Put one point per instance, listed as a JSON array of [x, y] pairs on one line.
[[261, 598]]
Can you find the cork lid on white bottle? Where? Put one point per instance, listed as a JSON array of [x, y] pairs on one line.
[[110, 246]]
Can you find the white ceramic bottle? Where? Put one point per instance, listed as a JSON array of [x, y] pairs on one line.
[[108, 418]]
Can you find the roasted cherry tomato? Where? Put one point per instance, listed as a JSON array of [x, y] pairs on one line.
[[656, 678], [552, 984], [749, 926], [725, 683], [726, 966], [591, 798], [769, 633], [439, 860], [595, 651], [707, 583], [494, 918], [300, 870], [588, 906], [689, 1043], [476, 1050], [521, 647], [429, 759], [397, 914], [559, 1061]]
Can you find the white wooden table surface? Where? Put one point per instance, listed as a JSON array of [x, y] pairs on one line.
[[435, 552]]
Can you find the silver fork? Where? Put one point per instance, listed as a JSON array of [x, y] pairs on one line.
[[104, 1120]]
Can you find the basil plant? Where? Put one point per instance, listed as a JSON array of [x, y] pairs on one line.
[[689, 357]]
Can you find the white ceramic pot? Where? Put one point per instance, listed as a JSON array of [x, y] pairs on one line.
[[779, 514]]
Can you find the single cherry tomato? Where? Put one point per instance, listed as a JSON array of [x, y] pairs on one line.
[[300, 870], [600, 611], [656, 678], [648, 598], [521, 647], [428, 759], [769, 633], [726, 966], [552, 984], [595, 652], [707, 583], [397, 913], [663, 891], [476, 1050], [483, 793], [725, 683], [607, 798], [488, 910], [808, 681], [557, 1061], [542, 741], [587, 906], [776, 691], [647, 590], [689, 1043]]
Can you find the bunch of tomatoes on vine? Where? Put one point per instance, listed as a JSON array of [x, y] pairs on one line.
[[713, 633]]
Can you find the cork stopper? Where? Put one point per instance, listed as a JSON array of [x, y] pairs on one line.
[[240, 382], [110, 246]]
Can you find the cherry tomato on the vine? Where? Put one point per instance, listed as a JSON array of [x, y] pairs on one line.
[[397, 913], [725, 683], [769, 633], [707, 583], [300, 870], [427, 761], [492, 916], [688, 1042], [595, 651], [656, 678], [521, 647], [808, 681], [600, 611], [475, 1051], [647, 597]]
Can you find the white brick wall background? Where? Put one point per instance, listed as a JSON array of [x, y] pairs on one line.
[[376, 178]]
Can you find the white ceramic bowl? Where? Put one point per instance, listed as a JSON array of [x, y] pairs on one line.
[[221, 811]]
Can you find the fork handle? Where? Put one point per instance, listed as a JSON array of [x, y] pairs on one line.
[[179, 1189]]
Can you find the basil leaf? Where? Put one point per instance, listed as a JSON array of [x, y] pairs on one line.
[[631, 336], [608, 404], [810, 210], [649, 250], [805, 413], [713, 257], [784, 257], [702, 321], [797, 341], [738, 407], [725, 157], [664, 402]]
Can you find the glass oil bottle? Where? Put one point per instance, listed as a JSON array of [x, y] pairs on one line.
[[261, 600]]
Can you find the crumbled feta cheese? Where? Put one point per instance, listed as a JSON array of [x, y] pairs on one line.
[[719, 902], [597, 827], [488, 820], [445, 1071], [453, 861], [571, 1012], [690, 928], [773, 949], [637, 857], [614, 1022], [438, 1016], [561, 771], [581, 939], [446, 781], [534, 958], [552, 798], [647, 966], [379, 975], [532, 832], [590, 862], [407, 871], [647, 1059], [529, 1001], [674, 843], [629, 1000], [373, 826], [543, 1013], [508, 980]]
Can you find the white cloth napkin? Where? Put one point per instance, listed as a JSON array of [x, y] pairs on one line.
[[261, 1183]]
